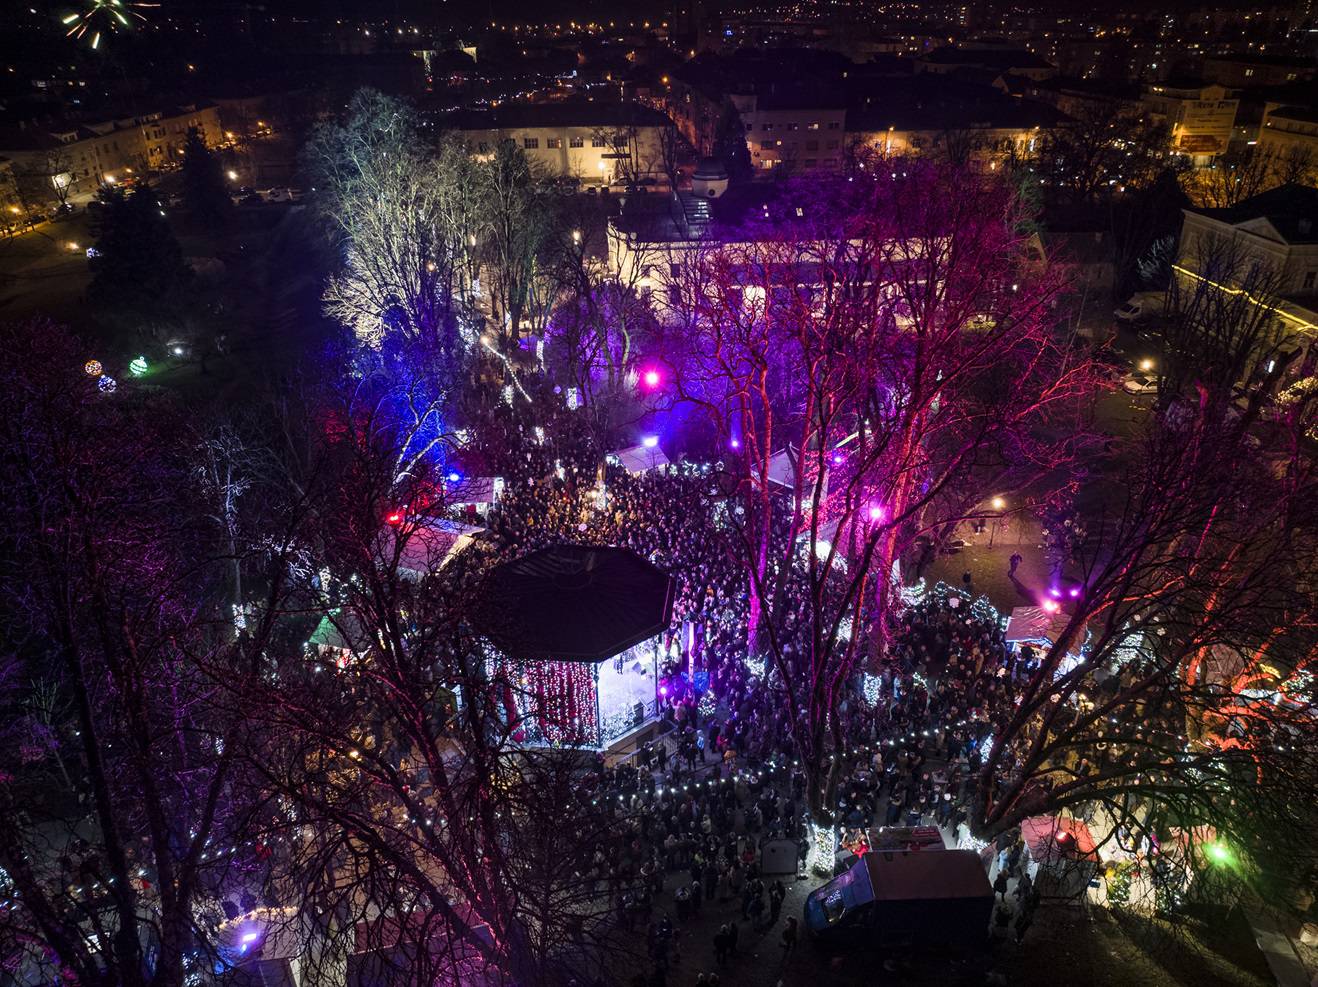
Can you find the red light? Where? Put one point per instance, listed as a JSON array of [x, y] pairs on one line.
[[395, 518]]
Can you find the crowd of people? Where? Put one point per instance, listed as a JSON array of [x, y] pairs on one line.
[[694, 808]]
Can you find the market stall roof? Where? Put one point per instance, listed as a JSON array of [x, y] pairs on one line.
[[474, 490], [341, 631], [574, 603], [433, 543], [1057, 837], [1035, 624], [782, 468], [641, 458], [908, 875]]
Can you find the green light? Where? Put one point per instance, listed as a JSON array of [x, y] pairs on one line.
[[1219, 853], [138, 367]]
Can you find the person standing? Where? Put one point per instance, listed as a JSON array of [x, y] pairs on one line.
[[721, 945], [776, 895], [1023, 919], [789, 936]]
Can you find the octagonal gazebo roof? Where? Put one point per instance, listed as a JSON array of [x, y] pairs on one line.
[[574, 603]]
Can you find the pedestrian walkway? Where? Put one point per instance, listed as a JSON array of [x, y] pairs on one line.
[[1277, 950]]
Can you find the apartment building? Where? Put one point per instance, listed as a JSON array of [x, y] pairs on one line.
[[1201, 118], [791, 132], [70, 161], [594, 143]]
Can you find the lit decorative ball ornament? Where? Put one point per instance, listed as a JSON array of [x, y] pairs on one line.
[[107, 384], [138, 367], [92, 368]]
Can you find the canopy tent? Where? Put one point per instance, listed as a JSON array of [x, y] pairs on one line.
[[431, 545], [1035, 625], [340, 638], [1057, 836], [1063, 857], [641, 458], [782, 468], [479, 490]]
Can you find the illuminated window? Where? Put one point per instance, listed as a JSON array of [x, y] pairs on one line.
[[575, 142]]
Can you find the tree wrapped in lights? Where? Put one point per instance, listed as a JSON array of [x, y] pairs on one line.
[[895, 345]]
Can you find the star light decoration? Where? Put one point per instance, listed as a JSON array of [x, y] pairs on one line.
[[101, 16]]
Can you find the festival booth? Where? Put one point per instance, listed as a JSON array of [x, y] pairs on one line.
[[389, 944], [912, 838], [1041, 627], [576, 633], [473, 495], [432, 545], [1062, 858], [901, 898], [263, 946], [640, 458]]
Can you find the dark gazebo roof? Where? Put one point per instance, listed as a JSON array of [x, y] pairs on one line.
[[574, 603]]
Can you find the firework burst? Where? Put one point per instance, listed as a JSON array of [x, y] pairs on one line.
[[103, 16]]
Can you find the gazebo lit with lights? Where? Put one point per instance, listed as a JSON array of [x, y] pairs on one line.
[[575, 642]]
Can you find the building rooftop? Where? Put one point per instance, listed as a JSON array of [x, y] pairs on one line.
[[1304, 114], [999, 58], [936, 102], [42, 135], [568, 113], [1291, 210]]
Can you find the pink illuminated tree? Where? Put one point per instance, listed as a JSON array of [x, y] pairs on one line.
[[879, 356]]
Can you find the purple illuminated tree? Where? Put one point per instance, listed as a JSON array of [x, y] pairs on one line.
[[879, 359]]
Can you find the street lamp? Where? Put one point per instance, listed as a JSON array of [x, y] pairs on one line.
[[998, 504], [1146, 364], [233, 175]]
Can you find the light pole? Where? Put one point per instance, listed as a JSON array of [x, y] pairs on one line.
[[997, 503]]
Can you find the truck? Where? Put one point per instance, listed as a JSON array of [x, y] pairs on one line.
[[904, 899]]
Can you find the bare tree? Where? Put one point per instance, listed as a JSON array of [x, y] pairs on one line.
[[851, 349], [417, 819], [383, 193], [107, 580], [1174, 701]]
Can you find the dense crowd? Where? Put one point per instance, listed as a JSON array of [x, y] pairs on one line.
[[695, 808]]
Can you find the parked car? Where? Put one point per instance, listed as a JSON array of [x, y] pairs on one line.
[[1140, 384], [1130, 312]]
